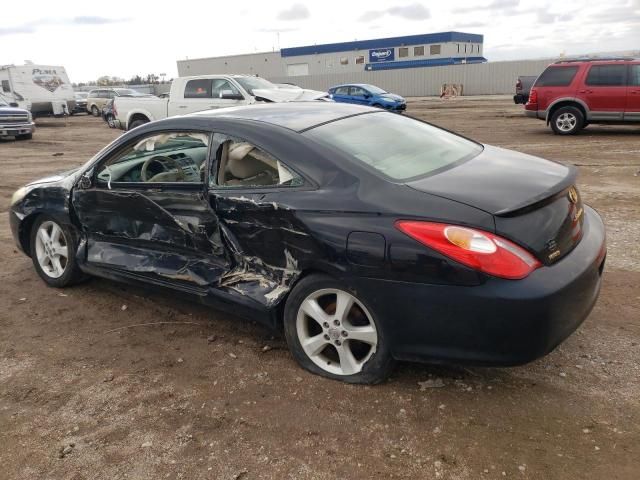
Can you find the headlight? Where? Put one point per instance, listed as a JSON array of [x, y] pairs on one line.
[[18, 195], [30, 118]]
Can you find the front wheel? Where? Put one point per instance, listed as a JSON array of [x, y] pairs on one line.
[[25, 136], [53, 253], [567, 121], [333, 333], [95, 111]]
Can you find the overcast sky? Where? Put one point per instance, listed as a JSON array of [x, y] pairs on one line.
[[127, 38]]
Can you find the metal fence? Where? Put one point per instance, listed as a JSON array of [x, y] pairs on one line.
[[491, 78], [153, 89]]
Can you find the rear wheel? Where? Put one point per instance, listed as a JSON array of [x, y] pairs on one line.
[[137, 123], [53, 253], [567, 121], [332, 333], [95, 111]]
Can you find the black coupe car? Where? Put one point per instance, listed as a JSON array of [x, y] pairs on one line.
[[367, 236]]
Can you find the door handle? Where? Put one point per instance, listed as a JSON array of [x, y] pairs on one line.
[[182, 106], [585, 91], [635, 91]]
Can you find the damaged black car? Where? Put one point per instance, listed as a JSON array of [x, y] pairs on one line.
[[368, 237]]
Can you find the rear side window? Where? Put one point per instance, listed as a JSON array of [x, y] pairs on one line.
[[198, 89], [634, 75], [607, 75], [557, 77], [342, 91], [5, 86]]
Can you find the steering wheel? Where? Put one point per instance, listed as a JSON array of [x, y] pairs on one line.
[[172, 171]]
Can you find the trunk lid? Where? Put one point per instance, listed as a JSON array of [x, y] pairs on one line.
[[534, 201]]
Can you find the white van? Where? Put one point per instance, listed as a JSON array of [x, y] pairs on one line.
[[45, 87]]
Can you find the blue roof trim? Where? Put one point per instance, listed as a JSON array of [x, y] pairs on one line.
[[436, 62], [383, 43]]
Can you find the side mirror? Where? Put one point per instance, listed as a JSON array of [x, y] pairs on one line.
[[367, 95], [13, 104], [230, 95], [85, 181]]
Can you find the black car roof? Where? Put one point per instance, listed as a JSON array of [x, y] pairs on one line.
[[296, 116]]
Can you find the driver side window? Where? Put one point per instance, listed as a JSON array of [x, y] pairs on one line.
[[168, 157]]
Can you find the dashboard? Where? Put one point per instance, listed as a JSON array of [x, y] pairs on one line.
[[189, 160]]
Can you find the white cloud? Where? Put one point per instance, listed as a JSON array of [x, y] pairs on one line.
[[130, 38]]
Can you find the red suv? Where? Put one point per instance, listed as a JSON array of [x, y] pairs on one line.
[[571, 94]]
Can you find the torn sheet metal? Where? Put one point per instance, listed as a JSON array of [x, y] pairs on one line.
[[254, 278], [288, 95]]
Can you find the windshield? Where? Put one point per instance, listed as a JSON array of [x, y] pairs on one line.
[[254, 83], [375, 90], [398, 147], [127, 92]]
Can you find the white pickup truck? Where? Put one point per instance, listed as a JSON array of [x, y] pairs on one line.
[[205, 92]]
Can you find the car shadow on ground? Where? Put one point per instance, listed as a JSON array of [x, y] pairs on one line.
[[173, 307]]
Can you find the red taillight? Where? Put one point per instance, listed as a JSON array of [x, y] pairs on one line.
[[518, 84], [533, 96], [477, 249]]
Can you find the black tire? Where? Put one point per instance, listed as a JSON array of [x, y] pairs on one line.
[[567, 121], [137, 123], [374, 370], [26, 136], [110, 121], [95, 111], [72, 274]]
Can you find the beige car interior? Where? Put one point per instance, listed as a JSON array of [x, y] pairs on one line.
[[242, 164]]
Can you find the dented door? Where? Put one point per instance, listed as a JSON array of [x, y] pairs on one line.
[[164, 234]]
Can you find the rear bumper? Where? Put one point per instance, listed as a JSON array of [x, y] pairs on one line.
[[539, 114], [118, 124], [522, 98], [501, 322]]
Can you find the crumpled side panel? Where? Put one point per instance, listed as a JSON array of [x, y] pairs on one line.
[[153, 263], [256, 279]]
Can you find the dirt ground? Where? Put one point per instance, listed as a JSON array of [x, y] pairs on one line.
[[84, 397]]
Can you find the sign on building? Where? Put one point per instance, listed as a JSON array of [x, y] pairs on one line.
[[381, 55]]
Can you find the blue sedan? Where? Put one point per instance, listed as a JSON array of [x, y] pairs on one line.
[[364, 94]]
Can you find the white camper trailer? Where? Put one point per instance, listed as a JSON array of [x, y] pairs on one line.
[[45, 87]]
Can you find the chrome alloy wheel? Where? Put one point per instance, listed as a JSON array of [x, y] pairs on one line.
[[52, 249], [566, 122], [336, 331]]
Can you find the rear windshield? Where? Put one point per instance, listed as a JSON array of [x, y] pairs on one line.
[[398, 147], [556, 77]]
